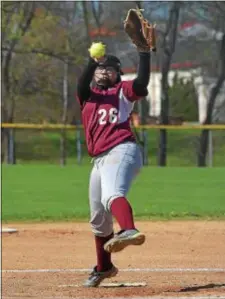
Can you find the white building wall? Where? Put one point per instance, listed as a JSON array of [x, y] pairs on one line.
[[154, 90]]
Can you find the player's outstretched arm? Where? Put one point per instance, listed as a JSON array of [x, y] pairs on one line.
[[143, 76], [84, 81], [142, 35], [97, 55]]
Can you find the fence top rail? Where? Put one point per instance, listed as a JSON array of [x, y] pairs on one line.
[[73, 127]]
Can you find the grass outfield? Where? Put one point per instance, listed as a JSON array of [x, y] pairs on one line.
[[54, 193]]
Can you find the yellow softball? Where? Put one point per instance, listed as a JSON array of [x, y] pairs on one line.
[[97, 50]]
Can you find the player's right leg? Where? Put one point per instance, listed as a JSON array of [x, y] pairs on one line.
[[120, 167], [102, 227]]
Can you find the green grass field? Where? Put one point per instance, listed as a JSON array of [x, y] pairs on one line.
[[54, 193]]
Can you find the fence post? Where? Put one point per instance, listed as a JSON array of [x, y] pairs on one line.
[[11, 147], [210, 149], [78, 145], [145, 146]]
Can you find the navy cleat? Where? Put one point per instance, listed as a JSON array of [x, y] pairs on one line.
[[96, 277]]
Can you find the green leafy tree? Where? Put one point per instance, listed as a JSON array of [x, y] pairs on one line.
[[183, 99], [37, 47]]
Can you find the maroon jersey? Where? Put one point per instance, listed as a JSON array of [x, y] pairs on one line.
[[106, 117]]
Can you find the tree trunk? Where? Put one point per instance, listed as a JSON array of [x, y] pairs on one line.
[[168, 46], [86, 20], [64, 115], [204, 137], [164, 119], [97, 13], [203, 148], [8, 99]]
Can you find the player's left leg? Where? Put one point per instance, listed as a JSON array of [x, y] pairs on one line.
[[120, 167], [102, 227]]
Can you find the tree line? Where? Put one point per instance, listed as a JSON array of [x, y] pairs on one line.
[[44, 46]]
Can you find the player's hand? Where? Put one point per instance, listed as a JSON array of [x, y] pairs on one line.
[[100, 59]]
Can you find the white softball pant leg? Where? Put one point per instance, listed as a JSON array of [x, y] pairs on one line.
[[101, 220], [111, 178]]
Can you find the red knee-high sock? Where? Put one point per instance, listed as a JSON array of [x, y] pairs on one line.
[[104, 262], [122, 211]]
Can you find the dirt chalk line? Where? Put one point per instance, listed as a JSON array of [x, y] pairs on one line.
[[121, 270]]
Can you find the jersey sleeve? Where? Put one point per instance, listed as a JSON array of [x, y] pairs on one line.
[[129, 93]]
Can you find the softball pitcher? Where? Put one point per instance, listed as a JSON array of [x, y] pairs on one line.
[[106, 103]]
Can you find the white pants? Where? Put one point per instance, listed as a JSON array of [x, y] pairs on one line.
[[111, 177]]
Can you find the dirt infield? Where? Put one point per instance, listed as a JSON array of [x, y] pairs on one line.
[[178, 259]]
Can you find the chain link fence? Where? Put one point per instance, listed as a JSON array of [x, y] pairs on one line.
[[47, 146]]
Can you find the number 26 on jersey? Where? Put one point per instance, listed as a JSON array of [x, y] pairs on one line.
[[110, 116]]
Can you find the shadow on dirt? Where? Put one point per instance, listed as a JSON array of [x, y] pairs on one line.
[[202, 287]]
